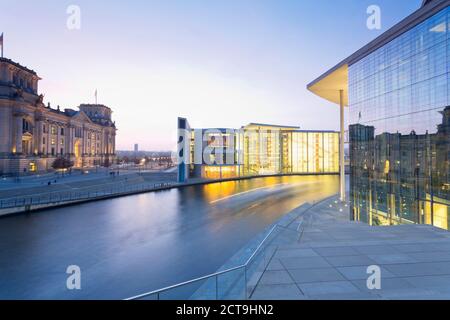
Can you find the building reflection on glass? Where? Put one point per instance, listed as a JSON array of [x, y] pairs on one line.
[[399, 178], [400, 125]]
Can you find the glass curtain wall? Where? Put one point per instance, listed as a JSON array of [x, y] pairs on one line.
[[290, 152], [399, 129], [262, 152]]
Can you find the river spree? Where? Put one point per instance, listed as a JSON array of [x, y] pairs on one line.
[[130, 245]]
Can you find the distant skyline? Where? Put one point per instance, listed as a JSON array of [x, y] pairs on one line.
[[217, 63]]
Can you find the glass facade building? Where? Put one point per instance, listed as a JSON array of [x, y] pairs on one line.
[[272, 150], [397, 88], [259, 149], [399, 128]]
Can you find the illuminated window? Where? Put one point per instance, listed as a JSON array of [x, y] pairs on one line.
[[32, 167]]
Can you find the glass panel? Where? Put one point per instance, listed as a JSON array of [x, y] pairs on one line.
[[232, 285], [400, 129], [149, 297], [199, 290]]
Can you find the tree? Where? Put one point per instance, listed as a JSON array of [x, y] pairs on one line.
[[62, 163]]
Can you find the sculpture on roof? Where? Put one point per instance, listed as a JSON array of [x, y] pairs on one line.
[[40, 100]]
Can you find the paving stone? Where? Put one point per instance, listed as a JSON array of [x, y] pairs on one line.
[[295, 253], [411, 294], [375, 249], [276, 277], [316, 275], [360, 272], [439, 282], [408, 248], [433, 256], [305, 263], [277, 292], [332, 287], [347, 296], [391, 258], [348, 261], [274, 265], [419, 269], [387, 284], [330, 261], [336, 251]]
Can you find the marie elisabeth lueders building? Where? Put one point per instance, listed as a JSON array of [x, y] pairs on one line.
[[33, 135], [397, 89], [254, 150]]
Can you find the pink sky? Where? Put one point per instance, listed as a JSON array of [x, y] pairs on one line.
[[218, 63]]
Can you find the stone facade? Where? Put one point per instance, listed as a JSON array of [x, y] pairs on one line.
[[33, 135]]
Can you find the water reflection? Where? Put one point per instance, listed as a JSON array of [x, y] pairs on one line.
[[134, 244]]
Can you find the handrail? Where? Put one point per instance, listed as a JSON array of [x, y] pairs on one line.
[[184, 283], [260, 245], [68, 196], [143, 295]]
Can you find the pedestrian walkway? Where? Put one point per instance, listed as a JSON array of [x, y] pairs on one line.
[[330, 257], [75, 190]]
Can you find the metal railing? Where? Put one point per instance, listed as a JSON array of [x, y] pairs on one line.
[[237, 283], [60, 197]]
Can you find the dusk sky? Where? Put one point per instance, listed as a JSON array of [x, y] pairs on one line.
[[219, 63]]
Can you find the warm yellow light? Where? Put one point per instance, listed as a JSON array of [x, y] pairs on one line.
[[387, 167], [32, 166]]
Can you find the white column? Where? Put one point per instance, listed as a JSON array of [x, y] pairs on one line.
[[341, 147]]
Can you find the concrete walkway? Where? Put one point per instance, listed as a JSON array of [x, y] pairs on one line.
[[330, 256], [73, 190]]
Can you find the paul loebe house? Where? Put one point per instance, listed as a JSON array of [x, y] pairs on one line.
[[253, 150], [397, 91]]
